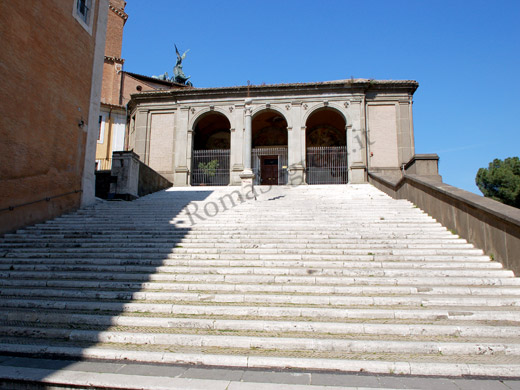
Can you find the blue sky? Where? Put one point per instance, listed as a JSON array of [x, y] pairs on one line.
[[464, 54]]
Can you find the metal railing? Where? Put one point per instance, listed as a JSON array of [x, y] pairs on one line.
[[104, 164], [327, 165], [256, 162], [210, 167], [46, 199]]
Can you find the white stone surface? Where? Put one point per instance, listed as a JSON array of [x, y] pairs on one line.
[[301, 270]]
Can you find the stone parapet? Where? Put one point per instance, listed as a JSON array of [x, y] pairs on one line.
[[424, 165], [131, 178], [486, 223]]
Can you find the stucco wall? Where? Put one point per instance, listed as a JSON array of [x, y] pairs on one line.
[[162, 144], [382, 130], [47, 67]]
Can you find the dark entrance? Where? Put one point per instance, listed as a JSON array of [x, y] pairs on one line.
[[269, 148], [269, 170], [211, 151], [326, 141]]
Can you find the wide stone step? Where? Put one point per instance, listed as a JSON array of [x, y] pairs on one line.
[[288, 298], [265, 250], [171, 258], [473, 313], [76, 271], [269, 279], [24, 264], [296, 245], [174, 235], [38, 241], [265, 288], [336, 328], [388, 364], [268, 343]]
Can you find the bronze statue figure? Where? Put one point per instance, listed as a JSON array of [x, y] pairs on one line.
[[178, 74]]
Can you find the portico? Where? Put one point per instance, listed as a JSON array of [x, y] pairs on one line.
[[312, 133]]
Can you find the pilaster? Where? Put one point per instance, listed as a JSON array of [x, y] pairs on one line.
[[296, 145], [405, 132], [141, 132], [182, 148], [356, 142], [237, 143]]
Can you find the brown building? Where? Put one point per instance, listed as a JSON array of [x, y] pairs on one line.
[[117, 87], [51, 62]]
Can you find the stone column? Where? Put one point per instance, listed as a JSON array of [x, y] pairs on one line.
[[248, 138], [237, 144], [189, 149], [356, 143], [295, 138], [247, 176], [181, 148]]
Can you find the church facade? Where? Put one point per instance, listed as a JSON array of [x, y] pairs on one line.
[[314, 133]]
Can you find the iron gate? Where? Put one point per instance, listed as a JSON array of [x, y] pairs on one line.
[[210, 167], [256, 155], [327, 165]]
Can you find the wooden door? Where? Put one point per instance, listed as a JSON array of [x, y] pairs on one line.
[[269, 170]]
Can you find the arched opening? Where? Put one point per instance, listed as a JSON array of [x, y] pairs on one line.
[[269, 148], [326, 142], [211, 150]]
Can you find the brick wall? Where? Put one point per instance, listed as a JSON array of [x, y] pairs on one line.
[[111, 87], [46, 63]]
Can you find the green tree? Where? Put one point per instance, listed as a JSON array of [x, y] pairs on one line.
[[501, 181], [209, 168]]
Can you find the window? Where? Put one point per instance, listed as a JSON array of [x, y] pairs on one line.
[[83, 8], [101, 132], [83, 13]]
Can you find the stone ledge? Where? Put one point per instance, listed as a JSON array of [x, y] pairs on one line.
[[486, 223]]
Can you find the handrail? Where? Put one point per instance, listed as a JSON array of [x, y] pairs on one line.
[[48, 199]]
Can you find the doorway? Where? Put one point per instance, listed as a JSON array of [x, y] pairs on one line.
[[269, 170]]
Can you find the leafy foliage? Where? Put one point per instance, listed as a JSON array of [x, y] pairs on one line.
[[501, 181], [209, 168]]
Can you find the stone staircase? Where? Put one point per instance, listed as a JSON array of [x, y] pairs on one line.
[[310, 277]]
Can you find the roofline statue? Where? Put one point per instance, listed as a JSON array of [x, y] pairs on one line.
[[178, 74]]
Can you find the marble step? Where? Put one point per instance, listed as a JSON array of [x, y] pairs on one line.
[[424, 281], [389, 364], [461, 313], [332, 328], [82, 271], [25, 264], [267, 250], [288, 298], [300, 244], [163, 258], [37, 241], [266, 288], [266, 343]]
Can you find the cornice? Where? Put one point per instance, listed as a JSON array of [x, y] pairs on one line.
[[115, 59], [351, 85], [118, 12]]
